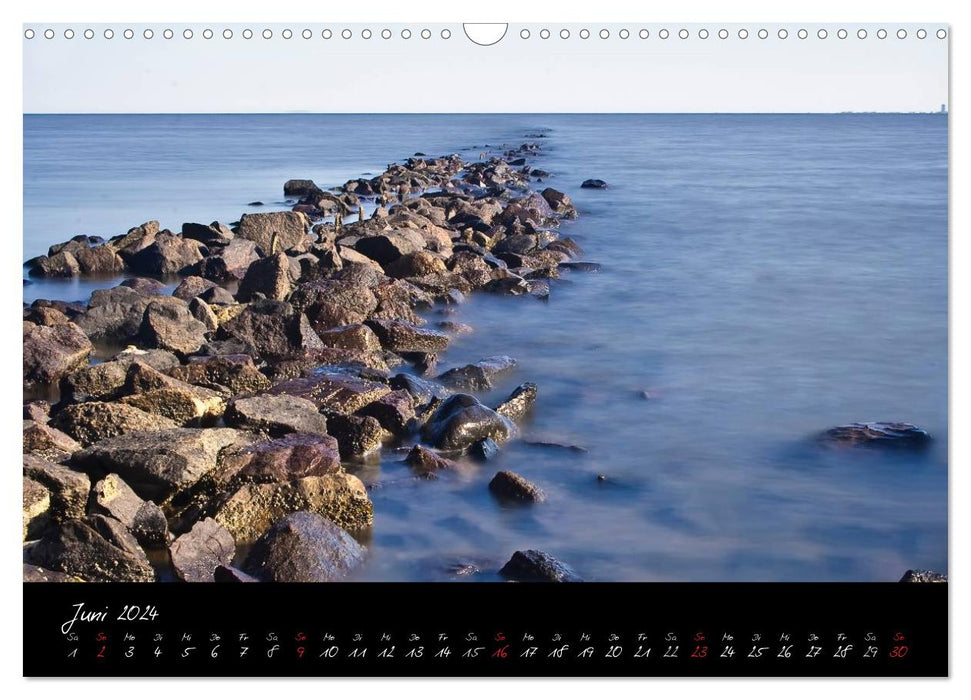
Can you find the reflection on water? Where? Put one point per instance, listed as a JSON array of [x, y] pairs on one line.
[[764, 277]]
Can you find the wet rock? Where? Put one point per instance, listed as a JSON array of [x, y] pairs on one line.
[[196, 554], [424, 461], [48, 442], [356, 435], [51, 352], [37, 505], [167, 255], [230, 574], [236, 372], [519, 403], [395, 412], [510, 486], [400, 336], [290, 229], [356, 336], [276, 415], [484, 450], [336, 391], [158, 464], [215, 234], [922, 576], [535, 566], [462, 421], [594, 184], [559, 202], [477, 376], [272, 330], [304, 547], [301, 188], [172, 328], [97, 549], [341, 497], [191, 287], [270, 276], [889, 435], [68, 488], [113, 497], [421, 389], [455, 328], [62, 264], [284, 459], [96, 420]]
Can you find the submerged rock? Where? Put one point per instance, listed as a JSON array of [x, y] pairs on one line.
[[891, 435], [304, 547], [535, 566], [484, 450], [594, 184], [424, 461], [477, 376]]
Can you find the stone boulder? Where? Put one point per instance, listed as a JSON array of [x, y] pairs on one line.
[[461, 421], [293, 456], [250, 512], [304, 547], [356, 435], [394, 411], [229, 263], [337, 391], [385, 248], [401, 336], [167, 255], [97, 549], [559, 202], [535, 566], [196, 554], [51, 352], [519, 403], [69, 488], [215, 234], [276, 415], [235, 372], [37, 506], [333, 303], [270, 276], [113, 497], [272, 330], [290, 229], [172, 328], [96, 420], [510, 486], [160, 463], [884, 435], [593, 184], [477, 376], [48, 442]]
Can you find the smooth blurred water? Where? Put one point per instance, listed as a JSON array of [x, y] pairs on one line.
[[764, 277]]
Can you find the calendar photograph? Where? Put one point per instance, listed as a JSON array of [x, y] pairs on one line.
[[292, 328]]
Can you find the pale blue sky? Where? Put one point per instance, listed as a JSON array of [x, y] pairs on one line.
[[516, 75]]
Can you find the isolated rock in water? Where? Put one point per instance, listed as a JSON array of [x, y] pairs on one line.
[[157, 464], [337, 391], [97, 549], [45, 441], [535, 566], [594, 184], [37, 506], [113, 497], [424, 461], [401, 336], [172, 328], [896, 435], [922, 576], [356, 435], [519, 403], [290, 457], [69, 488], [341, 497], [461, 421], [276, 415], [477, 376], [51, 352], [269, 276], [196, 554], [290, 229], [510, 486], [304, 547], [95, 420]]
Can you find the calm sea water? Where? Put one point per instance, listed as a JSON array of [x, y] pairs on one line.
[[764, 277]]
